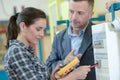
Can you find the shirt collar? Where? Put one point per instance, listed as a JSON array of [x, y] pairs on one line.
[[21, 44], [71, 34]]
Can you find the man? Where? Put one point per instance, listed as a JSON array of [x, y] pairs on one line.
[[76, 39]]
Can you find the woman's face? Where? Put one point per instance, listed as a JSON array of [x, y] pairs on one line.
[[35, 32]]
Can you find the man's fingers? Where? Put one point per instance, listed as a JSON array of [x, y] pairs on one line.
[[79, 56], [72, 52]]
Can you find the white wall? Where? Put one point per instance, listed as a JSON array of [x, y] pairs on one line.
[[6, 6], [100, 7]]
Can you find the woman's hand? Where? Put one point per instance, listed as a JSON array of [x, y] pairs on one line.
[[80, 73], [54, 76]]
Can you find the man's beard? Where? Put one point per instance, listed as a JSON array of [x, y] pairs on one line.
[[76, 27]]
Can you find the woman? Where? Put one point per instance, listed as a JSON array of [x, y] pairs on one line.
[[24, 29]]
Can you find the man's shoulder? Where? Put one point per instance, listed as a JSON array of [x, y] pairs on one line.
[[61, 33], [91, 23]]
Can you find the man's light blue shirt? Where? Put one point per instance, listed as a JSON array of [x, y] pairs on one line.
[[76, 40]]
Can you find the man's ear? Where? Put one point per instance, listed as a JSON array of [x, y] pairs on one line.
[[91, 14]]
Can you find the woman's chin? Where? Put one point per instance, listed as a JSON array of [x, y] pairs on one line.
[[35, 42]]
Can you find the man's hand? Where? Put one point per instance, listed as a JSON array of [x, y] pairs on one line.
[[70, 56]]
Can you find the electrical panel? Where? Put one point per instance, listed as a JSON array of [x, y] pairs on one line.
[[106, 44]]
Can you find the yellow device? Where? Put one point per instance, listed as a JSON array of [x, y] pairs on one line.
[[67, 67]]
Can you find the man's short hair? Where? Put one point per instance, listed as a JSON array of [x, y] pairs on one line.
[[90, 2]]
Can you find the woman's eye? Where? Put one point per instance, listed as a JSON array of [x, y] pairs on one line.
[[38, 29]]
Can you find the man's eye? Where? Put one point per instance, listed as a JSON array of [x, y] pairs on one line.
[[71, 11], [80, 13]]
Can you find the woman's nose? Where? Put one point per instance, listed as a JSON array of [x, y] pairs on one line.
[[41, 33]]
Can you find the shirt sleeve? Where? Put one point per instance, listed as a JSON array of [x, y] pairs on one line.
[[116, 24], [53, 59], [26, 69]]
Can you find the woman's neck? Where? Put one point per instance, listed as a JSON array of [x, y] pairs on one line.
[[22, 39]]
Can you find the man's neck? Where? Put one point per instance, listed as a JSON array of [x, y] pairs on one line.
[[76, 31]]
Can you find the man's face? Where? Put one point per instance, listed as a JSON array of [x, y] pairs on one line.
[[79, 14]]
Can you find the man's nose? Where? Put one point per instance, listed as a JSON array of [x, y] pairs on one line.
[[74, 16]]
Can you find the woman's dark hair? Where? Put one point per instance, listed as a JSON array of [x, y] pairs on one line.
[[28, 16]]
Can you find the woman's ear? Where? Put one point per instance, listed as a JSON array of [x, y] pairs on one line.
[[22, 26]]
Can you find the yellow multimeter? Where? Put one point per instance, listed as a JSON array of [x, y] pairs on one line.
[[67, 67]]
